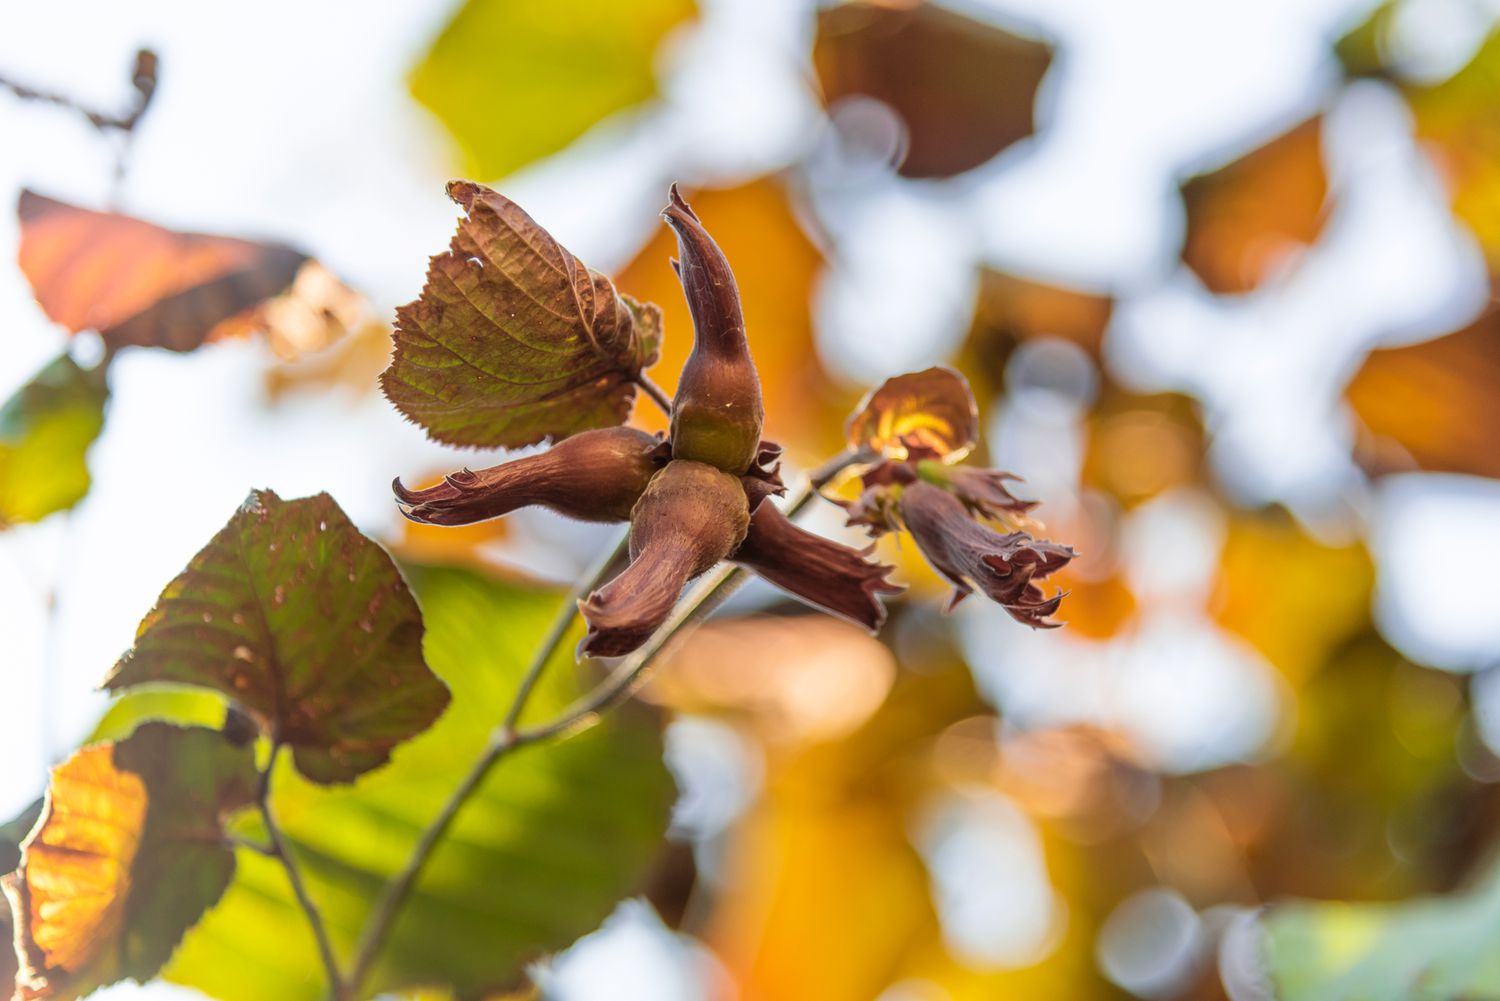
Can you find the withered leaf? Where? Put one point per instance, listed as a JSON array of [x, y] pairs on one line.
[[307, 625], [1246, 218], [931, 411], [46, 429], [139, 284], [513, 340], [1435, 405], [964, 89], [128, 854]]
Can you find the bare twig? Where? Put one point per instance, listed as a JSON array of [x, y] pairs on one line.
[[559, 629], [279, 849], [657, 394], [503, 740], [708, 595], [142, 79]]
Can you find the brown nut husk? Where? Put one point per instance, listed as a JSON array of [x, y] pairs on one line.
[[691, 516], [592, 476], [717, 413]]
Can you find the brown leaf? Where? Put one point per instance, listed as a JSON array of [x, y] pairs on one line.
[[307, 625], [513, 340], [931, 411], [1434, 404], [964, 89], [139, 284], [1245, 219], [1012, 310], [128, 854]]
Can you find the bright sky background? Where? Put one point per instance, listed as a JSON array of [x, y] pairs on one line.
[[290, 119]]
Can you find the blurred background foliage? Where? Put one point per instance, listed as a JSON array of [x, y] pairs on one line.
[[1261, 759]]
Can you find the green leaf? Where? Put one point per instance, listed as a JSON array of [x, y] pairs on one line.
[[128, 854], [1430, 949], [554, 838], [307, 625], [513, 340], [46, 429], [517, 80]]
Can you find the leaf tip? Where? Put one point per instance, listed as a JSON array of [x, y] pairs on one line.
[[465, 193]]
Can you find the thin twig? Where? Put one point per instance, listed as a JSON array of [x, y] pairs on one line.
[[142, 78], [559, 629], [657, 394], [280, 850], [254, 846], [710, 592], [504, 739]]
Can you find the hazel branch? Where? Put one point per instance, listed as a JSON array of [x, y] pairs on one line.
[[655, 392], [279, 849], [504, 739], [143, 79], [711, 592]]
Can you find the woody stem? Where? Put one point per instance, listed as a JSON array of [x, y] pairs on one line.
[[710, 592], [657, 394]]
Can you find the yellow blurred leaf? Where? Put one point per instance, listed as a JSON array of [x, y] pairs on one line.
[[517, 80], [46, 430], [1142, 445], [1456, 121], [1293, 598]]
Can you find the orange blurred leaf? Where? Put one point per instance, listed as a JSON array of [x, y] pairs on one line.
[[1435, 404], [932, 410], [1142, 445], [964, 89], [139, 284], [1247, 218], [128, 854]]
